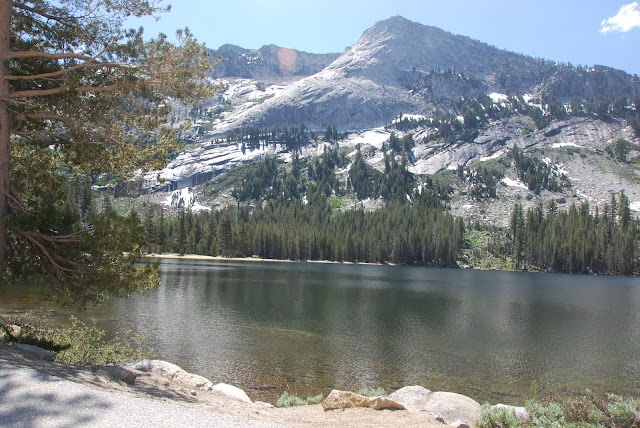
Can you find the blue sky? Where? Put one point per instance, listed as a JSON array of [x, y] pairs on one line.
[[583, 32]]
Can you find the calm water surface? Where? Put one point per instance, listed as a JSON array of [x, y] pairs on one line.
[[308, 328]]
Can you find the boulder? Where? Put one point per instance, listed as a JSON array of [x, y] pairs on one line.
[[412, 397], [120, 373], [14, 331], [384, 403], [232, 392], [459, 424], [347, 399], [520, 412], [453, 407], [37, 352], [344, 400], [171, 372]]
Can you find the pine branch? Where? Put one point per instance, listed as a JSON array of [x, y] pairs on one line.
[[54, 259]]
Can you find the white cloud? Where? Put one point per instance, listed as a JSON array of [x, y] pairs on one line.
[[628, 18]]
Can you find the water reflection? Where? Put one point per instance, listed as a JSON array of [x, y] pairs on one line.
[[267, 327]]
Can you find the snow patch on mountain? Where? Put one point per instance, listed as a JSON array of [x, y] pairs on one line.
[[559, 145], [496, 155], [184, 198], [514, 183], [375, 137]]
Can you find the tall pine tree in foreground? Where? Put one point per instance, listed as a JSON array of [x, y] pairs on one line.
[[80, 95]]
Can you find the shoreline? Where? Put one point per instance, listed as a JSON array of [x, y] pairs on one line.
[[174, 256]]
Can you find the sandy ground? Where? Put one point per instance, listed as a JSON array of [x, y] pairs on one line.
[[244, 259], [157, 388]]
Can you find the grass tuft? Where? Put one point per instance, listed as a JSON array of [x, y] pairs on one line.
[[290, 400]]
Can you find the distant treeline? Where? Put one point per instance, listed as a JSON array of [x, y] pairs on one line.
[[576, 240], [292, 212], [403, 234]]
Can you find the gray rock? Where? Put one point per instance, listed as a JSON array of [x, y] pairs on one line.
[[232, 392], [412, 397], [14, 331], [384, 403], [171, 372], [344, 400], [120, 373], [37, 352], [459, 424], [453, 407]]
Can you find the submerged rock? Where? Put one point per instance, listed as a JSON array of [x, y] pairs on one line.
[[347, 399]]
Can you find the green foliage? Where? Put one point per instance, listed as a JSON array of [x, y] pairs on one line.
[[418, 233], [497, 418], [550, 415], [290, 400], [90, 255], [576, 240], [315, 399], [620, 150], [363, 179], [537, 174], [88, 98], [82, 344], [372, 392], [585, 412], [482, 180], [623, 412]]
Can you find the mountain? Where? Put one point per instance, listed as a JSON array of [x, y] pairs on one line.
[[463, 103], [402, 66], [268, 62]]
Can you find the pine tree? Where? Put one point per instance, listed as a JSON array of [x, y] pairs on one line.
[[80, 96]]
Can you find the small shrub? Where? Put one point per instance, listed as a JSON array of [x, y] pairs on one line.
[[623, 411], [550, 415], [497, 418], [289, 400], [80, 344], [372, 392], [316, 399]]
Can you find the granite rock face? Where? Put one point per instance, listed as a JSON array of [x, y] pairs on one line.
[[403, 66]]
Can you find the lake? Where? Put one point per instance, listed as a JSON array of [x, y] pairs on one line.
[[307, 328]]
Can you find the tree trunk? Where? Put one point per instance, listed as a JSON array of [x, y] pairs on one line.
[[6, 10]]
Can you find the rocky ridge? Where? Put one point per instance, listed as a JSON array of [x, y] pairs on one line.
[[270, 62], [402, 66]]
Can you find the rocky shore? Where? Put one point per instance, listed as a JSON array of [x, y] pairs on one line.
[[167, 382]]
